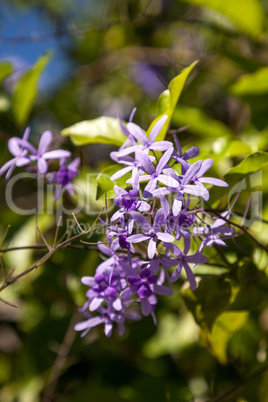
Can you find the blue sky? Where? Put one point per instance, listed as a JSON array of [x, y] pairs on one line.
[[27, 22]]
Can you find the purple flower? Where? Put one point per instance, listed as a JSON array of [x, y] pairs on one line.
[[212, 233], [104, 287], [107, 316], [127, 201], [152, 233], [182, 158], [182, 187], [64, 176], [19, 152], [199, 179], [149, 143], [184, 261], [154, 174], [145, 286]]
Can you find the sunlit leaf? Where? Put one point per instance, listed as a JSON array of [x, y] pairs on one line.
[[168, 99], [247, 15], [106, 185], [103, 130], [26, 90], [252, 84], [251, 164], [223, 329], [5, 70], [200, 123]]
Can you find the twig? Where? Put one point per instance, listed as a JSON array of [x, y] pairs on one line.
[[43, 238], [49, 254], [60, 361]]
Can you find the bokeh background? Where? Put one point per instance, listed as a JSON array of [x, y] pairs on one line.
[[64, 61]]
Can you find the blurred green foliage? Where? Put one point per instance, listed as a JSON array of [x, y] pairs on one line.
[[123, 54]]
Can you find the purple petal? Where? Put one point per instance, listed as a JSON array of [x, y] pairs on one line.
[[119, 191], [121, 173], [74, 164], [88, 280], [145, 307], [92, 322], [162, 290], [165, 237], [176, 207], [141, 221], [191, 172], [206, 164], [151, 248], [159, 220], [161, 146], [215, 182], [127, 293], [95, 303], [45, 142], [137, 132], [22, 161], [108, 329], [42, 165], [187, 244], [157, 128], [14, 147], [26, 134], [164, 160], [143, 206], [56, 154], [150, 187], [117, 304], [190, 276], [168, 180], [176, 274], [137, 238], [191, 153], [198, 191], [145, 162], [7, 165]]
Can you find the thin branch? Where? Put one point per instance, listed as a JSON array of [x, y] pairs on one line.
[[43, 238], [57, 231], [60, 361], [49, 254]]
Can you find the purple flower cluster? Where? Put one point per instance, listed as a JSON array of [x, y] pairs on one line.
[[155, 231], [26, 154]]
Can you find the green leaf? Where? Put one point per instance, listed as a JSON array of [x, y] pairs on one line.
[[251, 164], [167, 101], [103, 130], [247, 15], [200, 123], [106, 185], [216, 300], [5, 70], [223, 329], [26, 90], [252, 84]]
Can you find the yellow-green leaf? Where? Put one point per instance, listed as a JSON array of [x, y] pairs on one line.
[[167, 101], [223, 329], [26, 90], [247, 15], [252, 84], [103, 130], [251, 164], [5, 70]]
